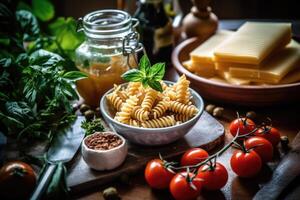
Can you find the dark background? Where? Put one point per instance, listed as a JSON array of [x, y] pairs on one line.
[[224, 9]]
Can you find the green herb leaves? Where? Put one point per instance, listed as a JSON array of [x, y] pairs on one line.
[[92, 126], [29, 25], [147, 75]]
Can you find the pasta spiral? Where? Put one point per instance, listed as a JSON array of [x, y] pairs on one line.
[[181, 117], [149, 99], [181, 108], [182, 90], [133, 122], [125, 113], [133, 88], [140, 114], [160, 108], [115, 100], [160, 122]]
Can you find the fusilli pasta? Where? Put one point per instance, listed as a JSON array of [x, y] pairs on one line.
[[180, 108], [125, 113], [160, 122], [148, 108]]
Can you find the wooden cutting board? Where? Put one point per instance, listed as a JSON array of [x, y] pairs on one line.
[[208, 133]]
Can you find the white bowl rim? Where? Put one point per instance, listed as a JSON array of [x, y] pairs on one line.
[[195, 94], [104, 151]]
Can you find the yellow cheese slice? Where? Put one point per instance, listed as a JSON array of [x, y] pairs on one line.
[[202, 69], [224, 66], [253, 42], [232, 80], [205, 52], [291, 77], [275, 68], [218, 79]]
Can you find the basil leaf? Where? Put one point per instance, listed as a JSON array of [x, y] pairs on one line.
[[145, 82], [133, 75], [144, 64], [74, 75], [64, 30], [157, 71], [45, 58], [44, 10], [155, 85], [29, 25]]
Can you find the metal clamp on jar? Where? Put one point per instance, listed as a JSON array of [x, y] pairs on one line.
[[109, 50]]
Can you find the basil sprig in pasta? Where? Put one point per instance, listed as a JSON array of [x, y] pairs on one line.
[[147, 75]]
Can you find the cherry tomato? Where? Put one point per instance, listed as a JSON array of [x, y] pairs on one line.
[[193, 156], [213, 178], [17, 180], [181, 189], [269, 133], [245, 164], [243, 125], [261, 146], [157, 176]]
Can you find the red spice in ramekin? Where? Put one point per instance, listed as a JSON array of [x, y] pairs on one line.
[[103, 141]]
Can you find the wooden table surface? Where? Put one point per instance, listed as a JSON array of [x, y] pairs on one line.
[[284, 117]]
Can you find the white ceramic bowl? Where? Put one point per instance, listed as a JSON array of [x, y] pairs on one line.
[[104, 159], [151, 136]]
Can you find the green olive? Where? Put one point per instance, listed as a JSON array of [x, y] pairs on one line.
[[210, 108], [110, 193], [89, 115], [84, 107], [218, 112]]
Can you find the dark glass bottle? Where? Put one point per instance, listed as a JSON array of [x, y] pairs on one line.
[[155, 29]]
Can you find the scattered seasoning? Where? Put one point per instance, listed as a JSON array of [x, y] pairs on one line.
[[110, 193], [103, 141], [218, 112], [89, 115], [210, 108], [84, 108], [251, 114]]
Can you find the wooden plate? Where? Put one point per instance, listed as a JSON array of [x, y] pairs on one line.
[[248, 95]]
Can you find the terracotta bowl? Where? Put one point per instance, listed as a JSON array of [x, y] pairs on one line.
[[248, 95]]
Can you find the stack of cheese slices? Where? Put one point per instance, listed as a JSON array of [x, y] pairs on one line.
[[257, 53]]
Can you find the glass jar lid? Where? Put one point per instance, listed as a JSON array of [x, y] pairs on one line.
[[106, 24]]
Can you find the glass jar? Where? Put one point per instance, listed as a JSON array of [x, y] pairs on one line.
[[108, 51]]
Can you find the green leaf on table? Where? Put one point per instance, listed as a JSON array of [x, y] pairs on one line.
[[144, 64], [43, 9], [155, 85], [74, 75], [157, 71], [133, 75], [58, 188], [29, 25]]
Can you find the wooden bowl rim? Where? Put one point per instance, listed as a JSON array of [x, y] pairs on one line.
[[177, 64]]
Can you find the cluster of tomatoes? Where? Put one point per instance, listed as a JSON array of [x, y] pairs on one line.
[[199, 171]]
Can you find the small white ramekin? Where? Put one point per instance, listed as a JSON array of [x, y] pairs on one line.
[[104, 159]]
